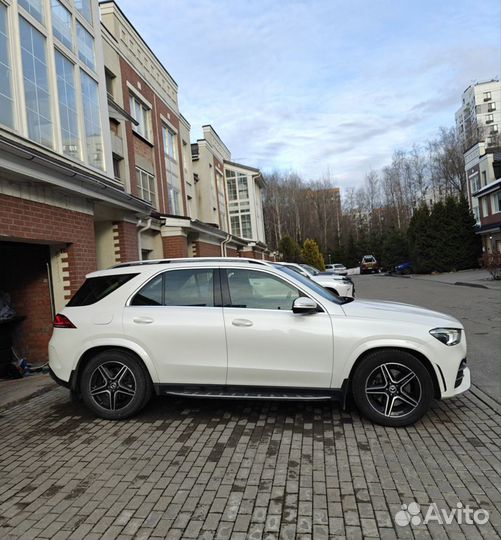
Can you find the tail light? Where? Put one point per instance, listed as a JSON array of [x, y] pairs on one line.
[[61, 321]]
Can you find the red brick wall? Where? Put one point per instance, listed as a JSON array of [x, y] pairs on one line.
[[175, 247], [27, 221], [128, 247], [232, 252], [203, 249]]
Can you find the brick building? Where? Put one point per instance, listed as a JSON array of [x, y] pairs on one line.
[[56, 173]]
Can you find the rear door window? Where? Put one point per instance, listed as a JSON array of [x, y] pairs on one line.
[[191, 287], [97, 288]]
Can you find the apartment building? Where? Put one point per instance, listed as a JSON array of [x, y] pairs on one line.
[[484, 193], [56, 168], [479, 117]]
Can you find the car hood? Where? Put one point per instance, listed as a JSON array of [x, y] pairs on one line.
[[382, 309]]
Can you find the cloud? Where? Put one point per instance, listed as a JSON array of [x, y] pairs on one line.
[[321, 85]]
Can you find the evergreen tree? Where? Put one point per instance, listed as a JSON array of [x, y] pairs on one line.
[[311, 255], [394, 249], [290, 249]]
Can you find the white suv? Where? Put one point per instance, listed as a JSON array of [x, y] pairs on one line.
[[241, 328]]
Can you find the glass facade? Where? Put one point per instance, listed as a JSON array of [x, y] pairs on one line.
[[36, 84], [61, 24], [85, 44], [85, 8], [239, 204], [6, 102], [67, 102], [92, 121], [34, 8], [172, 170]]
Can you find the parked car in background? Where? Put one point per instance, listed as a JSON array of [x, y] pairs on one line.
[[244, 329], [404, 268], [339, 285], [369, 265], [337, 268]]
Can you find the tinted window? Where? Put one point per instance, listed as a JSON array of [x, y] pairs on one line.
[[150, 294], [259, 290], [193, 287], [190, 287], [95, 289]]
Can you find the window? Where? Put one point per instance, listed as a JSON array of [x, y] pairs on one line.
[[36, 84], [146, 186], [492, 106], [141, 115], [188, 288], [110, 81], [475, 183], [259, 290], [489, 119], [117, 166], [67, 106], [485, 207], [85, 8], [476, 213], [92, 121], [85, 46], [496, 202], [34, 8], [487, 96], [232, 189], [151, 294], [172, 170], [484, 178], [97, 288], [494, 128], [245, 219], [243, 190], [6, 102], [61, 24]]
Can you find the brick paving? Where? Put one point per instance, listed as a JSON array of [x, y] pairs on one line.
[[242, 470]]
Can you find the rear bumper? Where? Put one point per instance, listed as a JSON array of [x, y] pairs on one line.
[[66, 384]]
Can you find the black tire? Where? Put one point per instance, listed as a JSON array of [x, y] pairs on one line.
[[115, 385], [376, 396]]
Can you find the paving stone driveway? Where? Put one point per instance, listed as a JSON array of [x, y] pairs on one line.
[[242, 470]]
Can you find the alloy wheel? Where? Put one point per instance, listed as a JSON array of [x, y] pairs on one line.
[[393, 390], [112, 385]]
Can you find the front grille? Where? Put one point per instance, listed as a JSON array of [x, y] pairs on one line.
[[460, 375]]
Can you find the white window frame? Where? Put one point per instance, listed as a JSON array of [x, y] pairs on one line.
[[496, 202], [141, 176], [141, 112]]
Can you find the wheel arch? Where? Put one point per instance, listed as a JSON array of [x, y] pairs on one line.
[[417, 354], [92, 351]]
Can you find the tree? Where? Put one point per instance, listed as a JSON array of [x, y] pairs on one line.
[[311, 255], [290, 249], [394, 249]]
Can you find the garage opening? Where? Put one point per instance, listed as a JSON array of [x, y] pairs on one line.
[[25, 281]]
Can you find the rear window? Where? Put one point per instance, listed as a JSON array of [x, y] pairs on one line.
[[97, 288]]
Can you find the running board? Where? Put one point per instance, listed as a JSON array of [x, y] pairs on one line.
[[251, 395], [248, 392]]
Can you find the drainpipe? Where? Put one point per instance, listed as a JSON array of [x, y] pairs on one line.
[[223, 245], [139, 232]]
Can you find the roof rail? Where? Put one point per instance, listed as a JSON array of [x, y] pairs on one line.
[[188, 260]]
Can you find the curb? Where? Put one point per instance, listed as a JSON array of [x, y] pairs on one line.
[[35, 393], [476, 285]]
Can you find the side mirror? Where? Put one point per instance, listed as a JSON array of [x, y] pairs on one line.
[[304, 305]]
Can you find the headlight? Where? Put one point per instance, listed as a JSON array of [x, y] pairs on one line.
[[448, 336]]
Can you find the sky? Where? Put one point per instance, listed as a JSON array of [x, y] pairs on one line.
[[321, 87]]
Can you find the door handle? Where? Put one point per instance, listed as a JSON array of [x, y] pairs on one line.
[[142, 320], [241, 322]]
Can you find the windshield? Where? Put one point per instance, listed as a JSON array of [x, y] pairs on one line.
[[324, 293], [311, 269]]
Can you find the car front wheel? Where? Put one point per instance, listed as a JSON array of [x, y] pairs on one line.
[[114, 385], [392, 388]]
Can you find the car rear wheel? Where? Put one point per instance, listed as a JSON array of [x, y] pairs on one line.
[[114, 385], [392, 388]]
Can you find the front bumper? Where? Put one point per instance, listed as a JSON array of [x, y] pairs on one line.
[[463, 386]]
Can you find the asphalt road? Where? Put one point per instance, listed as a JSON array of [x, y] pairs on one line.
[[478, 309]]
